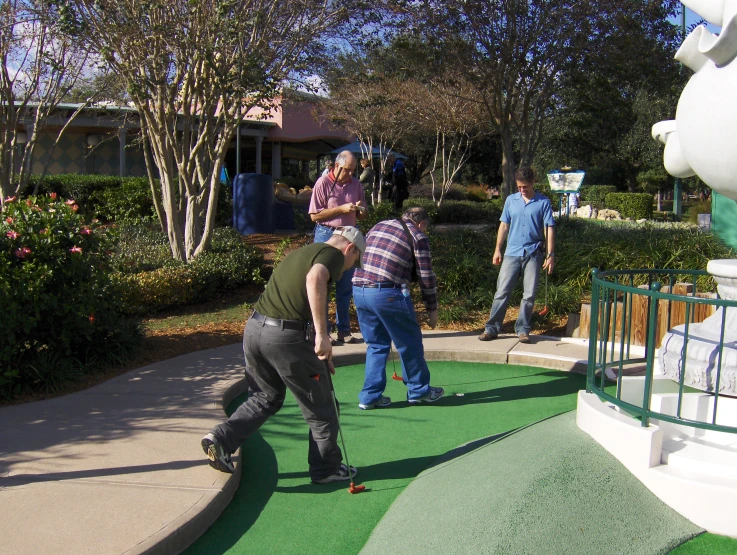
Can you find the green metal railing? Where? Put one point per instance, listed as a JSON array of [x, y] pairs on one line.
[[611, 333]]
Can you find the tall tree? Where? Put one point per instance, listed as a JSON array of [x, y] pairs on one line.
[[445, 108], [516, 52], [194, 69], [367, 101], [39, 67], [602, 116]]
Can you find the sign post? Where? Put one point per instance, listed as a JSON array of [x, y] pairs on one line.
[[565, 182]]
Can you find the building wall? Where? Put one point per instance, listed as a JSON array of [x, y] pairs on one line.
[[72, 155]]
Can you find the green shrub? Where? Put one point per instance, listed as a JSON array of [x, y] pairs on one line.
[[461, 211], [302, 220], [467, 279], [631, 205], [694, 208], [595, 195], [129, 200], [424, 191], [140, 247], [544, 188], [224, 215], [58, 303], [155, 290], [378, 213], [151, 281], [79, 187], [476, 193]]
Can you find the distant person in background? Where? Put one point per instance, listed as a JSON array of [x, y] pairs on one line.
[[527, 222], [338, 200], [572, 203], [367, 177], [329, 164], [397, 176]]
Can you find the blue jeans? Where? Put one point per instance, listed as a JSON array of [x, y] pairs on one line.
[[342, 287], [529, 266], [385, 315]]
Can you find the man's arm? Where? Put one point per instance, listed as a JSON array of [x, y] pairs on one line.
[[550, 260], [501, 236], [317, 294], [426, 275], [330, 213]]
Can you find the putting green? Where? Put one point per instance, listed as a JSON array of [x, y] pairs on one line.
[[278, 510]]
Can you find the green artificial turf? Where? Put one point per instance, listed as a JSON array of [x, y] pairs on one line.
[[707, 544], [277, 509]]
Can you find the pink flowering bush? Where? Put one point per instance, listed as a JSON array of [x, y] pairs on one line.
[[60, 309]]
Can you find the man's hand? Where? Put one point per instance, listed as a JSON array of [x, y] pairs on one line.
[[349, 207], [548, 264], [323, 347], [497, 259], [331, 366], [433, 319]]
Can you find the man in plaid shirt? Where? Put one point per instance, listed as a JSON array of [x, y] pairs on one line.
[[385, 310]]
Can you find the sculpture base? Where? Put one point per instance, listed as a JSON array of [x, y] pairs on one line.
[[705, 340]]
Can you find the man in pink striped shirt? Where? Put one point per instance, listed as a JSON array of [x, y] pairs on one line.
[[338, 200]]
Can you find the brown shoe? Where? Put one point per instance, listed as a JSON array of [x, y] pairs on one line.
[[486, 336], [523, 338]]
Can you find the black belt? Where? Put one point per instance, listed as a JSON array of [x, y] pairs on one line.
[[382, 285], [297, 325], [333, 227]]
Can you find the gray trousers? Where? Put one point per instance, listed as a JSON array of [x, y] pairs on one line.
[[278, 359]]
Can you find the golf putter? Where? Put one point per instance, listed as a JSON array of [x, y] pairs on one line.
[[353, 488], [545, 309], [394, 365]]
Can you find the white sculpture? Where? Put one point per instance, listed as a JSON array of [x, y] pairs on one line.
[[702, 141]]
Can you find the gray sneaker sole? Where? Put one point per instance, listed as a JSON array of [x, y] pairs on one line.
[[212, 457]]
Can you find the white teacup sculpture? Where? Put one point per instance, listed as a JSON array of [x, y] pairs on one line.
[[702, 141]]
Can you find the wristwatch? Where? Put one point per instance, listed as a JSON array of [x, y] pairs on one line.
[[551, 255]]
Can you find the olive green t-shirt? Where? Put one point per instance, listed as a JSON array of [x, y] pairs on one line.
[[285, 296]]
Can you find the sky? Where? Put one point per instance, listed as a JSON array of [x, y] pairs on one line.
[[691, 19]]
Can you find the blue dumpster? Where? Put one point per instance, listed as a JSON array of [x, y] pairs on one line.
[[253, 198], [283, 213]]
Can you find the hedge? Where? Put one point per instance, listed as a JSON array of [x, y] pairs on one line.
[[62, 316], [460, 211], [631, 205], [595, 195], [151, 281]]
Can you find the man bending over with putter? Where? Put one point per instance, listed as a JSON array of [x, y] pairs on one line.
[[384, 307], [280, 354]]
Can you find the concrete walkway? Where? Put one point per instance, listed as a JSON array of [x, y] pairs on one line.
[[118, 468]]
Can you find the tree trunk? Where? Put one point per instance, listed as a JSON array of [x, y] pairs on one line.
[[508, 168]]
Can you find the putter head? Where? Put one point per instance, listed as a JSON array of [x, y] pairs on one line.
[[544, 311], [398, 378], [356, 489]]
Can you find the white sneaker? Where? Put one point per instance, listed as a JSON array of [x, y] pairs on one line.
[[381, 403]]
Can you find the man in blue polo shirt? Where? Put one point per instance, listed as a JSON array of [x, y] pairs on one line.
[[527, 224]]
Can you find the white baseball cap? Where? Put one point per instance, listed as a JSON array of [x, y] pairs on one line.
[[354, 235]]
